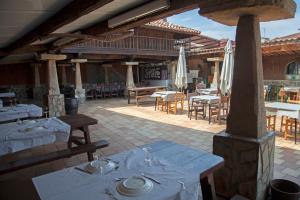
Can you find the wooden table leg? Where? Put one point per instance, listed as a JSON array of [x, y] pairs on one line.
[[208, 188], [295, 130], [136, 102], [87, 140]]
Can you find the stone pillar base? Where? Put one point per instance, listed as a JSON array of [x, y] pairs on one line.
[[56, 105], [248, 165], [80, 95]]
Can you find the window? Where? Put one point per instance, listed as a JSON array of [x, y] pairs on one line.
[[293, 68]]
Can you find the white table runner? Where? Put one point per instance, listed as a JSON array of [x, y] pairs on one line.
[[76, 185], [15, 137], [20, 111]]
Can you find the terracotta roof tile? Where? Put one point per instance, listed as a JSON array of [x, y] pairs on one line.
[[164, 24], [292, 36]]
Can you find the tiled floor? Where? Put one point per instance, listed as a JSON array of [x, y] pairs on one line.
[[127, 126]]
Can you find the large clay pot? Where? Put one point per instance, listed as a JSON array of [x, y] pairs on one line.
[[284, 189], [71, 106]]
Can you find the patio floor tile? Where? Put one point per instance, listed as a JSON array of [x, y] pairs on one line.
[[127, 126]]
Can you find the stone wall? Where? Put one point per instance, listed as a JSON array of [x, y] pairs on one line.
[[56, 105], [248, 165]]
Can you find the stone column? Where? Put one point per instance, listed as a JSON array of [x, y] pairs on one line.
[[246, 146], [216, 79], [79, 91], [56, 102], [129, 77]]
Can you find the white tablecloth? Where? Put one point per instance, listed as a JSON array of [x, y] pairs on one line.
[[76, 185], [283, 109], [205, 98], [15, 137], [291, 89], [7, 94], [20, 111], [165, 95], [207, 91]]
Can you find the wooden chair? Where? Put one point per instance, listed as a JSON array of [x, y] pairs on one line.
[[214, 111], [90, 93], [291, 127], [106, 90], [224, 106], [98, 92], [271, 122], [114, 89], [173, 101], [197, 107], [189, 95]]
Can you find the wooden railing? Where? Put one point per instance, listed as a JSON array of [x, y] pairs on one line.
[[133, 44]]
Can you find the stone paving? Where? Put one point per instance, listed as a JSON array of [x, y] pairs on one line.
[[127, 126]]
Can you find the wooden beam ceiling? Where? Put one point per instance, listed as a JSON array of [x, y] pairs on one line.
[[66, 15], [176, 7]]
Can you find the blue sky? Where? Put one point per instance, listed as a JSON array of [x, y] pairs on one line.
[[216, 30]]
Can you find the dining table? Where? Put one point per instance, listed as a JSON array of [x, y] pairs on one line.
[[79, 122], [20, 135], [20, 111], [207, 91], [284, 109], [207, 100], [164, 95], [287, 91], [142, 91], [175, 171], [7, 94]]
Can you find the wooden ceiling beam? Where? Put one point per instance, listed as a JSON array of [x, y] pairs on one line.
[[176, 7], [66, 15]]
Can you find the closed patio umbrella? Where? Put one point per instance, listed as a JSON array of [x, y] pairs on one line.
[[181, 75], [227, 70]]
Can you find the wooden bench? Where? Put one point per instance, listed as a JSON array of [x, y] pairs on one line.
[[143, 95], [6, 167]]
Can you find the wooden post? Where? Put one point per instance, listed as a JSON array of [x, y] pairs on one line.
[[63, 75]]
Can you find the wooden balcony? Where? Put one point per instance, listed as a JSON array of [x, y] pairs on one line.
[[133, 45]]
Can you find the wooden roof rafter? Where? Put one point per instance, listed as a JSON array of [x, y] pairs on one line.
[[66, 15], [176, 7]]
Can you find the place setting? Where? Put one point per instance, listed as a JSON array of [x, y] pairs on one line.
[[100, 166]]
